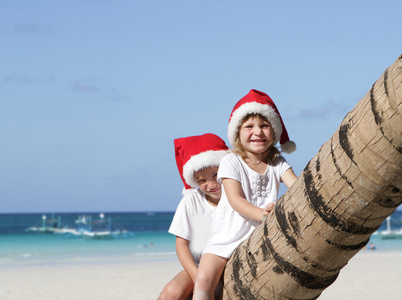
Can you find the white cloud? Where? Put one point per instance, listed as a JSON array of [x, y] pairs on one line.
[[327, 108]]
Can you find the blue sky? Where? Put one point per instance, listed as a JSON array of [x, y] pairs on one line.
[[93, 93]]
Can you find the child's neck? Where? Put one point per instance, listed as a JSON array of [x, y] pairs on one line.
[[212, 201], [256, 162], [254, 158]]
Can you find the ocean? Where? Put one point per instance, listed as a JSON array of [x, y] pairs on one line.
[[145, 239]]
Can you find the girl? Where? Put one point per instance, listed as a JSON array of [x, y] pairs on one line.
[[197, 159], [250, 177]]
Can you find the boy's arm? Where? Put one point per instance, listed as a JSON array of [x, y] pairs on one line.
[[238, 201], [185, 257]]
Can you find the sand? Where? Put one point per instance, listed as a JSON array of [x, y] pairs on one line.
[[369, 275]]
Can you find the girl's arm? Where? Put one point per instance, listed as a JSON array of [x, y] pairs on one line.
[[289, 177], [238, 201], [185, 257]]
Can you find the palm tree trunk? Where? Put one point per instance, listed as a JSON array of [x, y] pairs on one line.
[[344, 193]]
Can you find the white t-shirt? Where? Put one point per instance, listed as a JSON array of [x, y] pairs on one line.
[[192, 221], [229, 228]]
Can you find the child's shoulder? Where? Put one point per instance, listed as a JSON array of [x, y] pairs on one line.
[[280, 163], [231, 156], [279, 160], [193, 198], [192, 195], [230, 161]]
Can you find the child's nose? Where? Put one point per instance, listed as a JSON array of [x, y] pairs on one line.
[[212, 184], [257, 130]]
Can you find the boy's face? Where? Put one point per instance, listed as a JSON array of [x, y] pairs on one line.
[[206, 180]]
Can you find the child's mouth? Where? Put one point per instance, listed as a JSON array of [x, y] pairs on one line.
[[213, 191], [258, 141]]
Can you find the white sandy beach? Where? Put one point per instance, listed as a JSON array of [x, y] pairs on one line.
[[369, 275]]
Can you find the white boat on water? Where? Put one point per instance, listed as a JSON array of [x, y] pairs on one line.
[[85, 226], [389, 233], [106, 234], [103, 228], [51, 225]]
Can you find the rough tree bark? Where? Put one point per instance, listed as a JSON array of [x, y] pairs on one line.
[[342, 196]]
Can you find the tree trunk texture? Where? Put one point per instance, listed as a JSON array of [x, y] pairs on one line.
[[342, 196]]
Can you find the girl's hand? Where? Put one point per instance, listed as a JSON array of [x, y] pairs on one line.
[[267, 209]]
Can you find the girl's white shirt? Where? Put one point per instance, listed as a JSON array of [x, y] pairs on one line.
[[229, 228], [192, 221]]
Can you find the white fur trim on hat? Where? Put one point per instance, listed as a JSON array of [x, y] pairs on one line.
[[185, 191], [201, 161], [249, 108]]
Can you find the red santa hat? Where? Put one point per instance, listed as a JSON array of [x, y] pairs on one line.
[[198, 152], [256, 102]]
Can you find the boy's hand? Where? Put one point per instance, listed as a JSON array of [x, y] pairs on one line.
[[267, 209]]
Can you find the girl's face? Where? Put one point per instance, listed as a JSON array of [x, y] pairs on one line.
[[256, 135], [206, 180]]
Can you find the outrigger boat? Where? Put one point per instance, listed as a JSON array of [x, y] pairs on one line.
[[52, 225], [389, 233], [104, 228]]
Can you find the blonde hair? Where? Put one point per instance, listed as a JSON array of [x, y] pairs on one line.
[[269, 155]]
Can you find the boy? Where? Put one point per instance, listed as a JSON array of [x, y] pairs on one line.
[[197, 159]]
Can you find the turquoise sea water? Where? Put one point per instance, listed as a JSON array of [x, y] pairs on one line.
[[149, 241]]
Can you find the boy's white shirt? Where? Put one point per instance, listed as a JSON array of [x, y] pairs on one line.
[[192, 221]]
